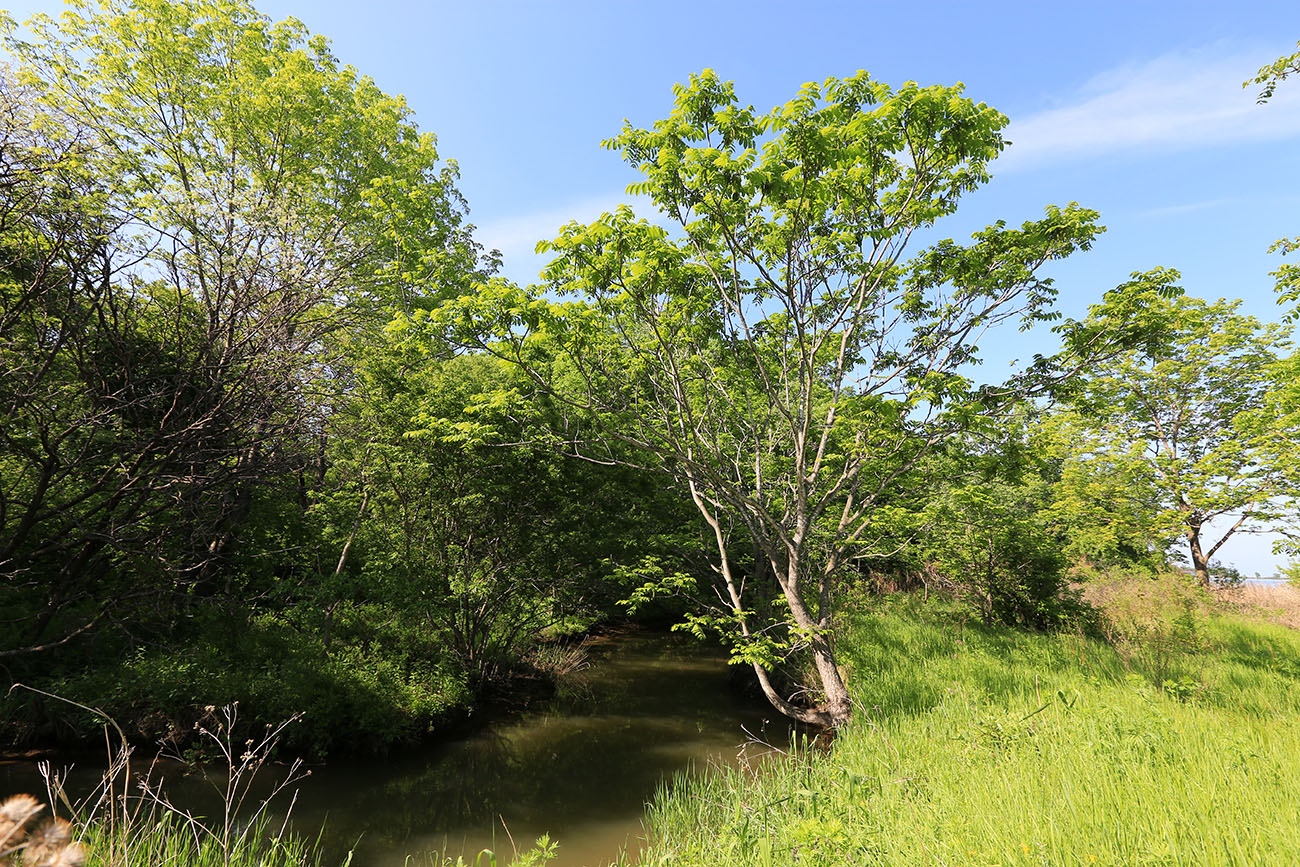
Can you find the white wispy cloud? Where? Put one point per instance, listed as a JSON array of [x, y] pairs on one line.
[[1179, 101], [1187, 208]]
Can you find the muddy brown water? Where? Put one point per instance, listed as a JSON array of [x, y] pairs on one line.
[[580, 768]]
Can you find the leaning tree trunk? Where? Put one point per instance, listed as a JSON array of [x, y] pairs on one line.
[[1200, 563], [838, 706], [837, 709]]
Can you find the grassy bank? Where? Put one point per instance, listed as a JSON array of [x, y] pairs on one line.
[[1177, 742], [169, 839]]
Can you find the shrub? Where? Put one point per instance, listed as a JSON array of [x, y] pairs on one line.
[[990, 539]]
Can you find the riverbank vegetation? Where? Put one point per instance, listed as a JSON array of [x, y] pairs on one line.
[[1165, 736], [222, 477]]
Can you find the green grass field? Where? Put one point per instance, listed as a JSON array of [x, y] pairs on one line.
[[1176, 743]]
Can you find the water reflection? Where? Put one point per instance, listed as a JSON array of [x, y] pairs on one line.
[[581, 769]]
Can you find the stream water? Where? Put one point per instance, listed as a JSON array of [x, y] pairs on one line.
[[580, 768]]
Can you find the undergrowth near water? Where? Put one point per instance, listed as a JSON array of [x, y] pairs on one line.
[[168, 840], [1176, 743], [354, 699], [541, 854]]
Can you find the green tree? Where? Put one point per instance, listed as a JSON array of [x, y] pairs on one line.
[[1189, 418], [776, 354], [448, 511], [52, 237], [250, 168], [990, 523], [252, 204], [1106, 509], [992, 538], [1287, 276]]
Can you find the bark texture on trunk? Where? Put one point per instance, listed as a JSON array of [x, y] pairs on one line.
[[1200, 563]]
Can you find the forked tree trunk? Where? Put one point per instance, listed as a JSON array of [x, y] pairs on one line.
[[837, 709], [834, 712]]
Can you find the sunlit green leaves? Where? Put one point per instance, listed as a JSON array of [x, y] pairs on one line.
[[1274, 74], [250, 150], [776, 352]]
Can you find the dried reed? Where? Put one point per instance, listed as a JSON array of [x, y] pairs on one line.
[[1279, 603]]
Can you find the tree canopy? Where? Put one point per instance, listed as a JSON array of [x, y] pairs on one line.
[[203, 205], [269, 417]]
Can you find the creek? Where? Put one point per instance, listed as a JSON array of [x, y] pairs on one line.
[[579, 767]]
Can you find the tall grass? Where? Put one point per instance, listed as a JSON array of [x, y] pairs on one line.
[[128, 821], [170, 840], [976, 745], [1277, 602]]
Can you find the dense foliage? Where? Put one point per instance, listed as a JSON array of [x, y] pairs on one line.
[[219, 478], [784, 357], [1189, 420]]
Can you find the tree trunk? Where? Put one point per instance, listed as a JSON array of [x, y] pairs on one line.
[[1200, 563], [838, 705], [837, 708]]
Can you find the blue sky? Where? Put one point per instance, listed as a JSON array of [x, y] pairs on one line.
[[1135, 109]]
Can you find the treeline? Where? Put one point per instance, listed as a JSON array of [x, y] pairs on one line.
[[272, 430]]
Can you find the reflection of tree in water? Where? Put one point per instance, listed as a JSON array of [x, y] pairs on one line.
[[549, 771]]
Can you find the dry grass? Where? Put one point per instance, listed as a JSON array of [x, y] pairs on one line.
[[1275, 603], [126, 821], [1131, 606], [1140, 608], [559, 658]]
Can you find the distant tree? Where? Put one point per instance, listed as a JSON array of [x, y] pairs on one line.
[[1287, 277], [1188, 418], [776, 355]]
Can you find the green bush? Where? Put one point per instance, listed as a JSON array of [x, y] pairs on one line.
[[356, 697], [991, 540]]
